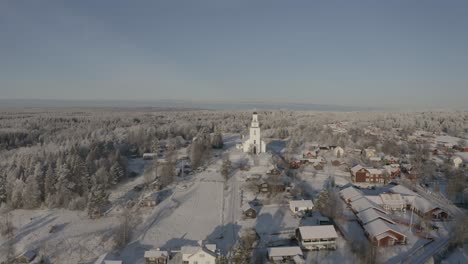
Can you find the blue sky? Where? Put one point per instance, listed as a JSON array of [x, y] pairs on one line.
[[365, 53]]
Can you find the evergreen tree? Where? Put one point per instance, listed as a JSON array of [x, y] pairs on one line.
[[64, 186], [116, 173], [80, 174], [3, 191], [17, 194], [155, 146], [31, 193], [40, 178], [49, 182], [97, 198], [217, 140]]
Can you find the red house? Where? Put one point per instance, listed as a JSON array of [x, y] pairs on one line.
[[382, 234], [368, 175]]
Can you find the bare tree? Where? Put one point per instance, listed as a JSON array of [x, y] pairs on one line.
[[124, 231]]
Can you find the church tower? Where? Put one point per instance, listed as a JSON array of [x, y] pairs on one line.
[[255, 139], [254, 144]]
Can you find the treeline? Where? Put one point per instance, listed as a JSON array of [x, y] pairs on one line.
[[74, 179]]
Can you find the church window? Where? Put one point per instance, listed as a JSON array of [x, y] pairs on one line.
[[255, 141]]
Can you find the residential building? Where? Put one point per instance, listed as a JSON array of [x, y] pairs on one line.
[[317, 237]]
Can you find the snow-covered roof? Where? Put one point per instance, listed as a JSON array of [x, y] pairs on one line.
[[375, 159], [392, 199], [371, 214], [402, 190], [284, 252], [317, 232], [350, 192], [246, 207], [374, 199], [363, 204], [390, 157], [374, 171], [423, 205], [155, 254], [301, 204], [391, 169], [113, 262], [356, 168], [189, 251], [379, 226]]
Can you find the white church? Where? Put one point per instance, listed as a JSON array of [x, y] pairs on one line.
[[254, 143]]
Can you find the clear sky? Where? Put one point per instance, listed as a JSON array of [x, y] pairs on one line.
[[365, 53]]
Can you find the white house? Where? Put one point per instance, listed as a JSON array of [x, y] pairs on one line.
[[156, 257], [254, 144], [393, 201], [338, 152], [317, 237], [301, 206], [197, 255], [283, 254]]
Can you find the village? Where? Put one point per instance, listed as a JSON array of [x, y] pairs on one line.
[[267, 203]]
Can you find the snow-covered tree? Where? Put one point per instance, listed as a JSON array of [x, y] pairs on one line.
[[31, 193], [116, 173], [3, 191], [217, 140], [17, 194]]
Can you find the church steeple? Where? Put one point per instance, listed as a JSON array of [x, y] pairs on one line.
[[254, 120]]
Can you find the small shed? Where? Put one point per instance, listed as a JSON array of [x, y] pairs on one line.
[[301, 206], [249, 211], [27, 257]]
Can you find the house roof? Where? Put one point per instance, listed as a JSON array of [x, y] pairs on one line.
[[423, 205], [155, 254], [284, 251], [356, 168], [316, 232], [350, 192], [371, 214], [375, 171], [391, 169], [402, 190], [113, 262], [363, 204], [379, 227], [384, 235], [189, 251], [392, 199], [302, 203], [247, 206]]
